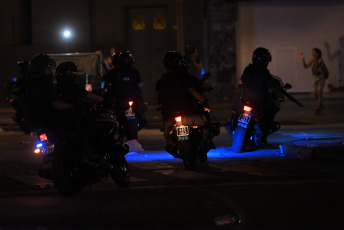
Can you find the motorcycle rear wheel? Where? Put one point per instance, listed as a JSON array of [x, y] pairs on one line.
[[132, 129], [239, 142], [189, 158], [120, 171]]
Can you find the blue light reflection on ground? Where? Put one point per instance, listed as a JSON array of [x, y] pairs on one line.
[[224, 148], [148, 156], [212, 154]]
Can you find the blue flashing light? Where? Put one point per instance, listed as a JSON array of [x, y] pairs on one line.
[[202, 72], [39, 145], [14, 79]]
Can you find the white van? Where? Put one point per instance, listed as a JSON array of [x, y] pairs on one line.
[[90, 68]]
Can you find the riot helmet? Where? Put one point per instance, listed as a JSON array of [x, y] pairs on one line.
[[172, 60], [125, 59], [115, 59], [261, 56], [23, 67], [40, 62], [66, 69]]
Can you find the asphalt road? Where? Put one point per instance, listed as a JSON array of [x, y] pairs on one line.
[[264, 189]]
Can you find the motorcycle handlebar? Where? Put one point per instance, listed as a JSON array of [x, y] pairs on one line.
[[291, 98]]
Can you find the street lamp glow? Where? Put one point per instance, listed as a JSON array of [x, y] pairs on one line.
[[67, 34]]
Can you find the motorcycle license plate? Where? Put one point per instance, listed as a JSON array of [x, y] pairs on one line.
[[244, 118], [130, 114], [182, 131]]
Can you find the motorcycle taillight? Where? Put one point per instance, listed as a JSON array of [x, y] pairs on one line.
[[247, 108], [178, 119], [43, 137], [131, 103]]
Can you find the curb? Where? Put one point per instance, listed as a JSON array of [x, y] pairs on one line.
[[314, 148]]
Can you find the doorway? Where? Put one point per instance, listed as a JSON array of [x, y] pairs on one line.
[[148, 41]]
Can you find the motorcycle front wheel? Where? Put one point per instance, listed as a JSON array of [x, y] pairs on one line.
[[120, 171], [239, 142], [66, 176]]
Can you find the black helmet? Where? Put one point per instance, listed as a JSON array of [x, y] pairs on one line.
[[66, 68], [125, 59], [40, 61], [172, 59], [115, 59], [261, 56], [23, 67], [66, 71]]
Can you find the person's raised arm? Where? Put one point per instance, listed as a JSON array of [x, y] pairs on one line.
[[308, 64]]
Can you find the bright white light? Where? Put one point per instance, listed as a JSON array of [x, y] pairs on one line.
[[67, 34]]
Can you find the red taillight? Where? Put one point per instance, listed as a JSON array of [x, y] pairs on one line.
[[178, 119], [247, 108], [43, 137], [131, 103]]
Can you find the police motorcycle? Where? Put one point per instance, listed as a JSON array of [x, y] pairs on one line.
[[190, 135], [66, 152], [189, 138], [65, 161], [128, 108], [245, 125], [127, 113]]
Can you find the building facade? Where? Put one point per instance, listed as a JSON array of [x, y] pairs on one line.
[[224, 31]]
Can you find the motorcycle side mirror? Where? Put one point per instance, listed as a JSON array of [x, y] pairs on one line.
[[287, 86]]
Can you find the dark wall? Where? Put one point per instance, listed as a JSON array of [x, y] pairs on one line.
[[96, 25]]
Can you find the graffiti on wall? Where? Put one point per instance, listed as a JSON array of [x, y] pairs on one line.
[[222, 51]]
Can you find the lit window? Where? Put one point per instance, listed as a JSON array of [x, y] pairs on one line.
[[139, 22], [159, 21]]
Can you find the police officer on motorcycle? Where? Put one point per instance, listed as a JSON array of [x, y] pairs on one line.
[[43, 101], [258, 87], [124, 82], [175, 92], [83, 115]]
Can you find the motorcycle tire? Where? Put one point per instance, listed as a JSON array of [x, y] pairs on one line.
[[187, 152], [65, 174], [239, 140], [131, 129], [203, 150], [120, 171]]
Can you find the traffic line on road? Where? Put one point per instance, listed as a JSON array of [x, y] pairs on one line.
[[33, 180], [186, 174], [251, 170], [148, 165]]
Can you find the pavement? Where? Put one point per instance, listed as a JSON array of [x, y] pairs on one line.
[[290, 114]]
